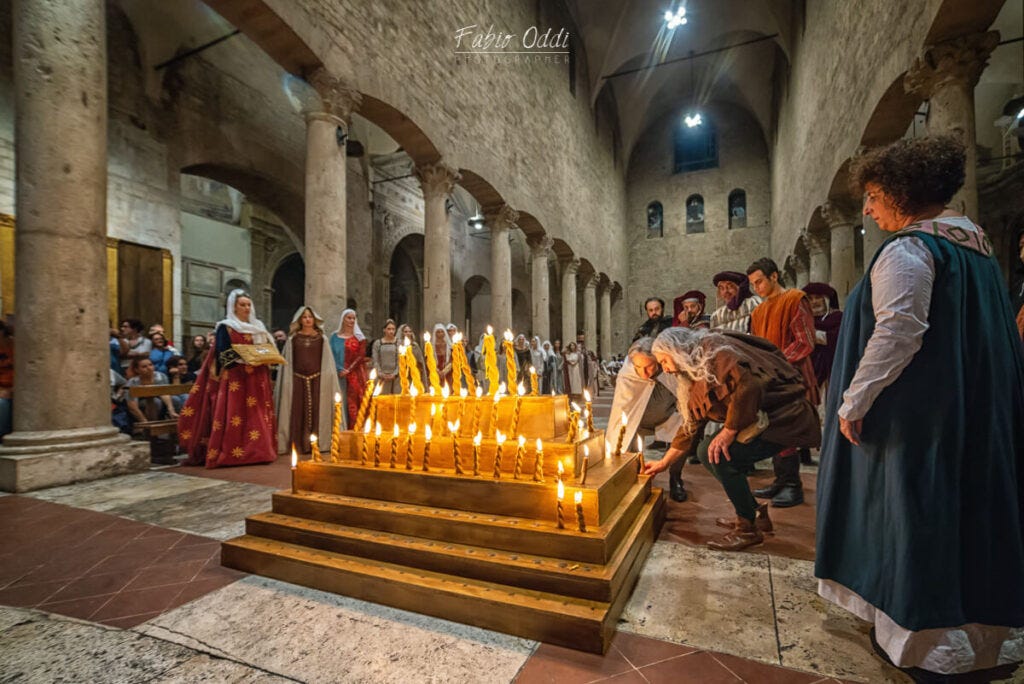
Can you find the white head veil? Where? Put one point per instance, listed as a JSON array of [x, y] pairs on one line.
[[538, 355], [317, 318], [355, 328], [253, 327]]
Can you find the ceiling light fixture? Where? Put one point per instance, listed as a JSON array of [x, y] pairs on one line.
[[675, 19], [476, 222], [693, 120]]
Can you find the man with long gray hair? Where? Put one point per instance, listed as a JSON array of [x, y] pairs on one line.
[[745, 383]]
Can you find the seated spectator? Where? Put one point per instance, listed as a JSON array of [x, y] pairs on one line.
[[6, 378], [154, 329], [179, 374], [200, 347], [161, 352], [148, 408], [119, 416], [134, 345]]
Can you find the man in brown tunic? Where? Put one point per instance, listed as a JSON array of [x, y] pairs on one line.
[[745, 383]]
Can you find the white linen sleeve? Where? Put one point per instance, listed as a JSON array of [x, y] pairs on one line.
[[901, 293]]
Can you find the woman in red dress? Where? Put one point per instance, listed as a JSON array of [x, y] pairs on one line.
[[228, 418], [348, 345]]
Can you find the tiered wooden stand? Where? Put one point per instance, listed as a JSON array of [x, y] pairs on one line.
[[473, 549]]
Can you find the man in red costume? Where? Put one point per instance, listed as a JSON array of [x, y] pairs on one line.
[[784, 318]]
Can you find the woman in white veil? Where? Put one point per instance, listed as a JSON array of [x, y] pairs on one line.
[[348, 346], [443, 351]]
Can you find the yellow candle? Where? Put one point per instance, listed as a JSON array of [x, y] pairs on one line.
[[467, 373], [640, 451], [365, 403], [561, 470], [394, 446], [453, 430], [366, 437], [586, 465], [403, 368], [560, 516], [426, 448], [336, 429], [431, 359], [445, 394], [456, 361], [579, 511], [534, 390], [538, 464], [490, 362], [500, 439], [476, 410], [408, 446], [520, 391], [517, 471], [510, 359], [493, 425], [476, 454], [622, 434], [314, 448], [376, 446], [414, 369], [374, 400], [590, 410], [295, 465], [413, 393]]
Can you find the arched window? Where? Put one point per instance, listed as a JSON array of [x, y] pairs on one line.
[[655, 218], [737, 209], [694, 214], [696, 147]]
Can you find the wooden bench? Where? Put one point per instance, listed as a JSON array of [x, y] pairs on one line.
[[160, 450]]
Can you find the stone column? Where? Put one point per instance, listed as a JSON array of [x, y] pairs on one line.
[[569, 327], [501, 222], [62, 430], [945, 75], [326, 210], [540, 250], [437, 181], [873, 238], [841, 218], [817, 252], [590, 311], [605, 350]]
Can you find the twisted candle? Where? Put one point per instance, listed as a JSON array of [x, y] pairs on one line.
[[426, 448], [560, 516], [590, 410], [622, 434], [579, 511], [453, 429], [467, 372], [476, 454], [376, 446], [520, 391], [373, 402], [490, 362], [538, 463], [403, 368], [394, 447], [586, 465], [314, 448], [408, 446], [463, 393], [493, 425], [365, 403], [431, 359], [510, 359], [573, 416], [413, 393], [534, 390], [336, 430], [517, 471], [445, 394], [366, 436], [295, 465], [500, 439], [414, 369], [457, 369]]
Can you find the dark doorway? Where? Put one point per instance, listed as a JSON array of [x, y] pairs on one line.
[[289, 286]]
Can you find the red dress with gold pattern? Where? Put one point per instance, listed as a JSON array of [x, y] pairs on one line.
[[229, 420]]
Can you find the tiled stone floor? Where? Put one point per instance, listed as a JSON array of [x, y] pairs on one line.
[[119, 580]]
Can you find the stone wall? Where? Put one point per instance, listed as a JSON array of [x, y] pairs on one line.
[[669, 266]]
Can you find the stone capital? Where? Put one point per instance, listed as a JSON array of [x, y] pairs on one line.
[[502, 218], [437, 179], [839, 213], [570, 266], [816, 241], [338, 99], [540, 248], [590, 281], [960, 60]]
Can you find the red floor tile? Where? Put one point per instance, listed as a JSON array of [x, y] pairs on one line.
[[696, 668], [567, 666], [169, 573], [28, 595], [92, 585], [82, 608], [752, 671], [130, 621], [136, 602], [641, 651]]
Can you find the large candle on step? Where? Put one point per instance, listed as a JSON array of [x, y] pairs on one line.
[[408, 446], [520, 452], [622, 434], [538, 464], [431, 359], [403, 368], [453, 430], [590, 410], [427, 433], [500, 439], [579, 511], [510, 359], [476, 454], [491, 362], [376, 446], [365, 403], [336, 430], [559, 514], [414, 369]]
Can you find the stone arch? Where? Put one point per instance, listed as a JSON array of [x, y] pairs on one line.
[[405, 297]]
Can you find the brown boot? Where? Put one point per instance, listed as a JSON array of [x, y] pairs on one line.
[[744, 534], [763, 522]]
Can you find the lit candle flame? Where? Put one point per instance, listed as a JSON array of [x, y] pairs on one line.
[[560, 469], [502, 389], [432, 392], [453, 427], [426, 337], [426, 433], [625, 420], [508, 335], [640, 444], [337, 397], [477, 438], [433, 410], [522, 441], [521, 389], [413, 392], [394, 432], [497, 396], [586, 396], [490, 330], [457, 338], [479, 391], [377, 390], [295, 458], [586, 451], [376, 430], [367, 426], [463, 392], [561, 490], [499, 438], [533, 371], [373, 374], [445, 392], [540, 445], [412, 428], [575, 407], [578, 497]]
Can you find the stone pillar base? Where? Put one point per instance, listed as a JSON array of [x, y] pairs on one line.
[[37, 460]]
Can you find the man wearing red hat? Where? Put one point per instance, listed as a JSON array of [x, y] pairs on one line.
[[827, 318], [689, 311], [738, 302]]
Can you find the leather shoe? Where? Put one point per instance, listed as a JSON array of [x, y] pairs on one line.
[[676, 491], [762, 521], [789, 495], [744, 533], [769, 491]]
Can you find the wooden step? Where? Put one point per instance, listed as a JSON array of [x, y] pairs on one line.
[[542, 573], [607, 482], [506, 533], [554, 618]]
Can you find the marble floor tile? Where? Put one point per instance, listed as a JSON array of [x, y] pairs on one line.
[[712, 600], [316, 636], [13, 616], [62, 650], [817, 636], [118, 492], [203, 668], [201, 511]]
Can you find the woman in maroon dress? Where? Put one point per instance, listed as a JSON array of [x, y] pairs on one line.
[[306, 385], [348, 346], [228, 418]]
